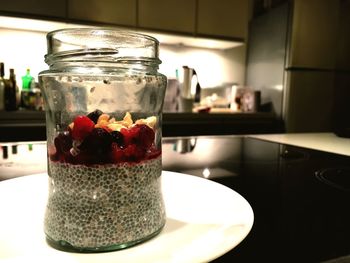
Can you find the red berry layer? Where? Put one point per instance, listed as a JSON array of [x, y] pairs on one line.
[[83, 143]]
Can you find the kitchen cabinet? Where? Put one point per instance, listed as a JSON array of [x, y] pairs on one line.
[[220, 19], [263, 6], [56, 9], [343, 50], [310, 101], [227, 19], [118, 12], [314, 34], [223, 18], [167, 15]]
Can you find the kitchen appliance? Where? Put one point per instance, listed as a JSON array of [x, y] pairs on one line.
[[297, 58], [172, 93], [189, 93]]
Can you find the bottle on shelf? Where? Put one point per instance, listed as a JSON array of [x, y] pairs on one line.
[[2, 86], [27, 92], [31, 98], [27, 80], [11, 91]]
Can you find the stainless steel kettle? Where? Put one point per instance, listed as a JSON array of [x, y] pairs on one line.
[[187, 91], [188, 96]]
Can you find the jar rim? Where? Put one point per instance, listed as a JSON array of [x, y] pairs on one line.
[[100, 44]]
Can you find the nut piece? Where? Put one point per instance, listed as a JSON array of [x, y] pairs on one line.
[[150, 121], [127, 119], [71, 125], [103, 118], [115, 126], [102, 121]]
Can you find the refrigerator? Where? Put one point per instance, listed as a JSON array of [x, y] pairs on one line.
[[298, 58]]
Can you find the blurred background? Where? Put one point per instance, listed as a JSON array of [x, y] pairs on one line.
[[257, 98], [264, 66]]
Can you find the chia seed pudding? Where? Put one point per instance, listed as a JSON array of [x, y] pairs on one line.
[[104, 184]]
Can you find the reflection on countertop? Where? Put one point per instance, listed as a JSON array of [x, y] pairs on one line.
[[325, 141], [23, 158]]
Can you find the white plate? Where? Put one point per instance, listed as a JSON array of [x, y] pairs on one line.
[[204, 221]]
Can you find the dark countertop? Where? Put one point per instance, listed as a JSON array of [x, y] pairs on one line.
[[300, 197], [26, 125]]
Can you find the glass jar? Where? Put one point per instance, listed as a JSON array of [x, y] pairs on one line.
[[103, 98]]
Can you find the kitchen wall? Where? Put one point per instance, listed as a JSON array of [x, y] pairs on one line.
[[20, 49]]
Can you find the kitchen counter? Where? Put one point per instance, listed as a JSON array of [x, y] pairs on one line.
[[299, 196], [26, 125], [327, 142]]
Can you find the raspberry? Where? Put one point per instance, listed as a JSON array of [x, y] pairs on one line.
[[133, 153], [117, 153], [82, 127], [153, 152], [129, 135], [140, 134], [146, 136], [130, 153]]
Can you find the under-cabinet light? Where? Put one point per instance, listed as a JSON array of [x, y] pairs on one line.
[[168, 39]]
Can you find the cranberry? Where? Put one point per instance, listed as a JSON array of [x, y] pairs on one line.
[[94, 115], [82, 127]]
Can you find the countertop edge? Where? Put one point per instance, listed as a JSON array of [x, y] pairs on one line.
[[325, 141]]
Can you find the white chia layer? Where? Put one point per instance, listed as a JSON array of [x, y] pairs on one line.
[[103, 205]]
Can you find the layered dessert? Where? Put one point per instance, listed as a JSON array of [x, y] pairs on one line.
[[104, 183]]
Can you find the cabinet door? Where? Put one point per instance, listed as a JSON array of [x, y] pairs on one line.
[[343, 40], [227, 18], [46, 8], [119, 12], [309, 96], [169, 15], [314, 34]]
